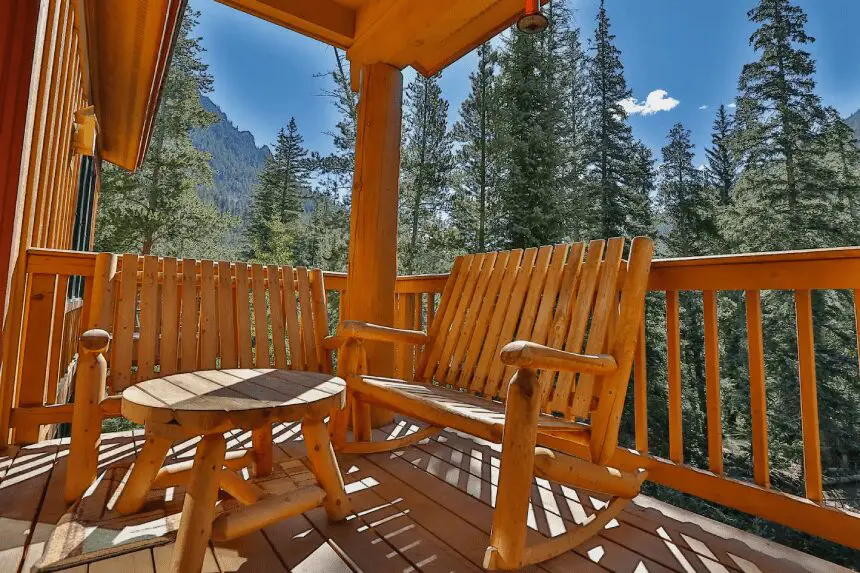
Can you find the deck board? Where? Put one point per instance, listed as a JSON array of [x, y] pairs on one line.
[[427, 507]]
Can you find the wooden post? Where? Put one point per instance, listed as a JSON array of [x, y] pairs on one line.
[[373, 223], [86, 416], [508, 535]]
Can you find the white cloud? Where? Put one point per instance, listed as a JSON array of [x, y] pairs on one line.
[[703, 107], [657, 100], [733, 105]]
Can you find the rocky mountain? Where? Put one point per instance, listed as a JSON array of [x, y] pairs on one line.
[[236, 161]]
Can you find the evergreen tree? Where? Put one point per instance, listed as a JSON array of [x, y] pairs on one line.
[[722, 165], [611, 139], [475, 211], [340, 163], [156, 210], [425, 176], [575, 141], [278, 202], [533, 206], [688, 211], [640, 182]]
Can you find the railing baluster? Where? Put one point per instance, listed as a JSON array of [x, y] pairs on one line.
[[640, 390], [758, 397], [405, 352], [673, 361], [808, 396], [431, 309], [712, 383]]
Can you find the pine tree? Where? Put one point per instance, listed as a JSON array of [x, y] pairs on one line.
[[156, 210], [475, 210], [640, 182], [533, 205], [425, 175], [340, 163], [611, 138], [575, 141], [278, 203], [778, 121], [722, 165]]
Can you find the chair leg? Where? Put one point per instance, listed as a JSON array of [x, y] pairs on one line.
[[339, 423], [508, 535], [361, 422]]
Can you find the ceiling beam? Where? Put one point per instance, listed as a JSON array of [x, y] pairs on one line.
[[323, 20]]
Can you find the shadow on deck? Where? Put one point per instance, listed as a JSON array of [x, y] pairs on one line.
[[427, 507]]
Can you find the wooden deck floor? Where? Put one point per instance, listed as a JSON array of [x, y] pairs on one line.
[[426, 508]]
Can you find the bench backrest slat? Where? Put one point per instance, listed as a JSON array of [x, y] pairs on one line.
[[572, 297], [183, 315]]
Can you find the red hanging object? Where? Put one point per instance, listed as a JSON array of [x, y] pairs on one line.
[[532, 21]]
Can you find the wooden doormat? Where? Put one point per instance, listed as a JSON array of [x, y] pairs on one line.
[[92, 530]]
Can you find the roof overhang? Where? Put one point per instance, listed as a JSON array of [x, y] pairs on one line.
[[425, 34], [126, 48]]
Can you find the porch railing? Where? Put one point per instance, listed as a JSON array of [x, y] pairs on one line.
[[46, 333]]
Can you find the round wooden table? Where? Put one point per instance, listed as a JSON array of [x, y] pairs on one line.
[[209, 403]]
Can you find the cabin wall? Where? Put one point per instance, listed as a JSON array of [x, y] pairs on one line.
[[41, 87]]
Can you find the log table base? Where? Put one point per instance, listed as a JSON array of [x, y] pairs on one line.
[[209, 403]]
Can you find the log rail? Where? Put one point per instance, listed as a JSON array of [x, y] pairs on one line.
[[799, 272]]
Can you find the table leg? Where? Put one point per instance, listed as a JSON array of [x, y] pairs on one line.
[[146, 467], [324, 466], [261, 444], [198, 510]]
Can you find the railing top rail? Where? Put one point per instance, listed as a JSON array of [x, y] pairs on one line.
[[831, 268], [759, 258]]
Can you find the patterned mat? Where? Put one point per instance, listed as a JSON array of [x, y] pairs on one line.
[[92, 530]]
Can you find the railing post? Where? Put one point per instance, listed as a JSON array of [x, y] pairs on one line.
[[100, 307], [86, 416]]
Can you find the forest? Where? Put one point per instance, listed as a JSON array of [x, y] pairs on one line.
[[542, 152]]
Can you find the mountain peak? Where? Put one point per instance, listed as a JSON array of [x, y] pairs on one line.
[[236, 161]]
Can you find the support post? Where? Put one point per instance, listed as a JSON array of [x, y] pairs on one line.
[[373, 222]]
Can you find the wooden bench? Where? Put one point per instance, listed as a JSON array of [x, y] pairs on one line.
[[168, 316], [553, 398]]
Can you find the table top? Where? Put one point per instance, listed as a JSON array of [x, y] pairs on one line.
[[219, 400]]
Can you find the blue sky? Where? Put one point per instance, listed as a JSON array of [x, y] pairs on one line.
[[691, 49]]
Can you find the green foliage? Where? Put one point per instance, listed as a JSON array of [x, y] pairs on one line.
[[722, 165], [477, 179], [156, 210], [426, 161], [274, 220]]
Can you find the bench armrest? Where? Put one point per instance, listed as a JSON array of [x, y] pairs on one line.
[[524, 354], [367, 331]]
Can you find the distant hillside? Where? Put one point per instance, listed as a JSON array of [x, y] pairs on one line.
[[236, 162], [854, 121]]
